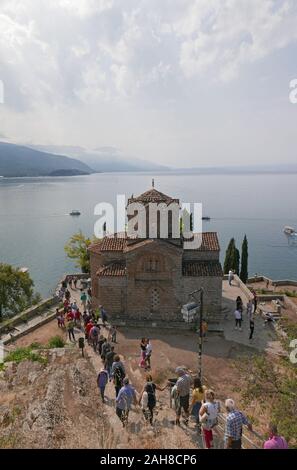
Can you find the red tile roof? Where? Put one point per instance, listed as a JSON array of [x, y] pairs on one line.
[[115, 243], [112, 269], [152, 196], [209, 241], [202, 269], [109, 243]]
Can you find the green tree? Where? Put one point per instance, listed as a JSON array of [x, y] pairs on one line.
[[236, 261], [229, 258], [232, 258], [77, 249], [244, 260], [16, 290], [272, 384]]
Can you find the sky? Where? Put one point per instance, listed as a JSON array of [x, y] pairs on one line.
[[177, 82]]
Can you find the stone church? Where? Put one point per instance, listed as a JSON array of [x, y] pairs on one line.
[[147, 280]]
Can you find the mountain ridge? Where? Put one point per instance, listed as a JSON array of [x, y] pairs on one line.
[[23, 161]]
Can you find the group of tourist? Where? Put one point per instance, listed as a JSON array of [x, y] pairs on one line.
[[250, 313], [251, 308], [70, 316], [189, 396], [206, 409]]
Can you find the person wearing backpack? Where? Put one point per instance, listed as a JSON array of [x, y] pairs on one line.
[[94, 336], [102, 380], [148, 398], [208, 416], [118, 373], [109, 360], [100, 344], [106, 347]]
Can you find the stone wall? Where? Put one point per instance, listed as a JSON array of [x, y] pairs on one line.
[[277, 283], [26, 315], [154, 295], [154, 289], [212, 287], [95, 263], [112, 295]]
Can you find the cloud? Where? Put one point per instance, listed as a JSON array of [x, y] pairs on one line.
[[74, 49], [226, 35], [84, 8], [135, 64]]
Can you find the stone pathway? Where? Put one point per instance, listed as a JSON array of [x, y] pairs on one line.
[[264, 338], [164, 433]]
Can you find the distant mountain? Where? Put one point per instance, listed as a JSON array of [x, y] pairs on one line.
[[70, 172], [18, 160], [238, 170], [103, 159], [55, 160]]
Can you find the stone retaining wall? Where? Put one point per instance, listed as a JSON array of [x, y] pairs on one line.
[[270, 297], [30, 329], [277, 283], [26, 315]]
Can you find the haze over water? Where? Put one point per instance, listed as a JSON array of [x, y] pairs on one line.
[[35, 225]]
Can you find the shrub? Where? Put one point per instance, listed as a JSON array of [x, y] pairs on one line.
[[24, 354], [35, 345], [56, 342]]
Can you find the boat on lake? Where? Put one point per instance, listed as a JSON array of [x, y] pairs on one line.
[[75, 212], [290, 231], [24, 270]]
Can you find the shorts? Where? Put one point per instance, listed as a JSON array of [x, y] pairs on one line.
[[236, 444], [184, 403]]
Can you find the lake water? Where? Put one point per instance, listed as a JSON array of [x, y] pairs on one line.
[[35, 225]]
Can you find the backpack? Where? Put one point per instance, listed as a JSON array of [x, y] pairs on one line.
[[150, 390], [94, 332], [118, 376]]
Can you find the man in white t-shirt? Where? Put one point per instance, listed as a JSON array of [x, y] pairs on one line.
[[238, 319]]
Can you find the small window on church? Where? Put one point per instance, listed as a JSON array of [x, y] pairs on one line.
[[155, 299], [152, 265]]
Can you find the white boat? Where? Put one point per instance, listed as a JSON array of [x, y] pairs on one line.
[[24, 270], [74, 212], [290, 231]]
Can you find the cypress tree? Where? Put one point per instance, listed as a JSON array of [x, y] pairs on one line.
[[244, 260], [229, 258], [237, 261]]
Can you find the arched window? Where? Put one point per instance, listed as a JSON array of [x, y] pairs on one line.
[[155, 299]]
